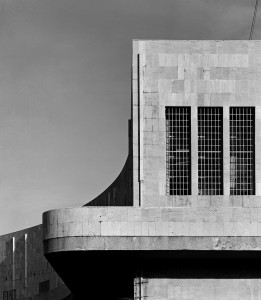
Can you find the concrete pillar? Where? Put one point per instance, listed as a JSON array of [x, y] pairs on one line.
[[140, 288]]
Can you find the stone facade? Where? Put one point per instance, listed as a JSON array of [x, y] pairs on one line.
[[188, 73], [190, 289]]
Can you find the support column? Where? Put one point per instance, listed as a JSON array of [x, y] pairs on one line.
[[140, 288]]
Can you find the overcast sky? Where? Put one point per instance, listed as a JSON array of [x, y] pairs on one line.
[[65, 78]]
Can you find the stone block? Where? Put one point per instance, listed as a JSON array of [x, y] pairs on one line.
[[104, 228], [176, 215], [94, 228], [116, 229], [219, 231], [152, 228], [131, 214], [177, 86], [131, 228], [138, 228], [60, 230], [172, 228], [124, 228], [254, 229], [76, 229], [185, 229], [145, 228]]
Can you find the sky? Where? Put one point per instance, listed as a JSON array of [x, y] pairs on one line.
[[65, 90]]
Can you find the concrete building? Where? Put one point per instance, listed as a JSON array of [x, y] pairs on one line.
[[183, 219]]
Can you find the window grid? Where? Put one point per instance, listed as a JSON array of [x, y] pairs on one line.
[[178, 150], [9, 295], [242, 150], [210, 150]]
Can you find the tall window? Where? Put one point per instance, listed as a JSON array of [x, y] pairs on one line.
[[210, 150], [9, 295], [242, 150], [178, 143]]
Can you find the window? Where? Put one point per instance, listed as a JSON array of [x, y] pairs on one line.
[[9, 295], [210, 150], [242, 150], [178, 150], [44, 286]]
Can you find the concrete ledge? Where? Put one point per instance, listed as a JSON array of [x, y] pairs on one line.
[[151, 243], [152, 222]]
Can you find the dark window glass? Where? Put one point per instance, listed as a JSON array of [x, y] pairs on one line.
[[44, 286], [242, 150], [9, 295], [210, 150], [178, 150]]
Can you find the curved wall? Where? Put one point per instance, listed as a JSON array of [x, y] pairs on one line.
[[120, 192]]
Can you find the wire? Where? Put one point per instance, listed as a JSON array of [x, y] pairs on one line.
[[254, 21]]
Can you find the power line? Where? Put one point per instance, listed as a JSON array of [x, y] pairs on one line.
[[254, 21]]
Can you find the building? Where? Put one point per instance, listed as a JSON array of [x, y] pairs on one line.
[[183, 219]]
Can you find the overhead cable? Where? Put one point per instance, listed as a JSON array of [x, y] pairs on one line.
[[253, 22]]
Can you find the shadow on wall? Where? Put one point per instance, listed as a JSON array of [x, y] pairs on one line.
[[13, 282], [25, 274], [6, 276]]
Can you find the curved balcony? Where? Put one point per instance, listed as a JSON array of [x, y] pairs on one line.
[[129, 228], [113, 245]]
